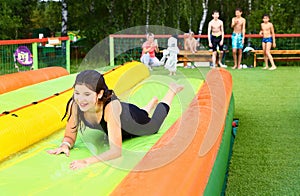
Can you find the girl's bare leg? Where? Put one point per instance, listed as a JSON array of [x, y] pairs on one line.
[[151, 105]]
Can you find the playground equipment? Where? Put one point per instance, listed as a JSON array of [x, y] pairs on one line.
[[34, 54], [23, 56]]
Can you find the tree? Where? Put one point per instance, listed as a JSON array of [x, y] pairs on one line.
[[204, 15], [15, 18], [97, 19], [8, 25]]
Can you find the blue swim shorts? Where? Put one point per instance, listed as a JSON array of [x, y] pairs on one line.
[[236, 40], [267, 39]]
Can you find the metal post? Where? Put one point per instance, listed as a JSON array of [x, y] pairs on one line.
[[35, 55], [111, 51], [68, 53]]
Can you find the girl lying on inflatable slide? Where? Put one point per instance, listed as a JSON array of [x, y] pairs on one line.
[[96, 106]]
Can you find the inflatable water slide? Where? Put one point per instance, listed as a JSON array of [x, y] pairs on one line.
[[188, 156]]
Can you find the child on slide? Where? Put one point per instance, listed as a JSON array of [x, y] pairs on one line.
[[96, 106]]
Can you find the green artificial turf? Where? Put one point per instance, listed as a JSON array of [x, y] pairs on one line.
[[266, 157]]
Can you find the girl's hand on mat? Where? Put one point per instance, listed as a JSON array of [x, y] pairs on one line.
[[78, 164], [63, 149]]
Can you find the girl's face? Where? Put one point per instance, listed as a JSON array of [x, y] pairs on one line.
[[85, 98]]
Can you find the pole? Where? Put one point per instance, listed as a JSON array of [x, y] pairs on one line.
[[35, 55], [111, 51]]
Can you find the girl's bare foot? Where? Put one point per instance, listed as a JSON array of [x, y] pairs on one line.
[[265, 67], [234, 67], [176, 88], [173, 90]]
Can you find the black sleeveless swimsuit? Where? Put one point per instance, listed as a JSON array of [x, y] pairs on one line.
[[134, 120]]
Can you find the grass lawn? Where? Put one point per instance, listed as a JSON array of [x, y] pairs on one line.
[[266, 157]]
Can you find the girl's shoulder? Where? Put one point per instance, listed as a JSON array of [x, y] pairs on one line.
[[112, 108]]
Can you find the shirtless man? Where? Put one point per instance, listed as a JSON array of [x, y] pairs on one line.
[[267, 31], [216, 38], [238, 23]]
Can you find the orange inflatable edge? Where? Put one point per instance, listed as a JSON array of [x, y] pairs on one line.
[[10, 82], [189, 172]]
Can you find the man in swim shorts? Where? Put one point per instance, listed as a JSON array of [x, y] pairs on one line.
[[268, 41], [238, 24], [216, 38]]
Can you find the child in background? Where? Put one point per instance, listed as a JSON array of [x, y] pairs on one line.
[[190, 43], [267, 31], [238, 23], [216, 38], [171, 55]]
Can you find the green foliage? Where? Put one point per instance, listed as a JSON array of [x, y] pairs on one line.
[[15, 18], [284, 14], [97, 19], [47, 15], [9, 22]]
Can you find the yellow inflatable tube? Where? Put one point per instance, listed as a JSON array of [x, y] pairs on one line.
[[26, 126], [126, 76]]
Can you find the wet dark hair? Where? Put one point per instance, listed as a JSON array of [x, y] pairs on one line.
[[215, 11], [94, 81]]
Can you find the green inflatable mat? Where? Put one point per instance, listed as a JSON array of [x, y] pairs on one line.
[[26, 95], [35, 172]]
